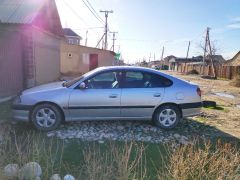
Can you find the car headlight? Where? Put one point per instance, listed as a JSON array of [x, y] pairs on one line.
[[17, 100]]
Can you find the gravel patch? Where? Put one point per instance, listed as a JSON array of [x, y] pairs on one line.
[[117, 131]]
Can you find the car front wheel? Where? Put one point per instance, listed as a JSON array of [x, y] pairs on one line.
[[46, 117], [167, 116]]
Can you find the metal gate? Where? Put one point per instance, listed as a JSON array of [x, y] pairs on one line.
[[93, 61], [11, 63]]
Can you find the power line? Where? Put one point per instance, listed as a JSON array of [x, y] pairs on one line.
[[93, 11], [74, 12], [15, 10]]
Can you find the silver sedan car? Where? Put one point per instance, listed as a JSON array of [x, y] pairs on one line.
[[110, 93]]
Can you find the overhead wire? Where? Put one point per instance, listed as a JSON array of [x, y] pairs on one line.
[[93, 11], [74, 12]]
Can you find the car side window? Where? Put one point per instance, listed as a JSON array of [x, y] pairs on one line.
[[106, 80], [155, 80], [133, 79], [137, 79]]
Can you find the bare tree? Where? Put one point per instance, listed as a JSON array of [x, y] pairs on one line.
[[215, 49]]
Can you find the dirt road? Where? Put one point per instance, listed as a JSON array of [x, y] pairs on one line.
[[226, 117]]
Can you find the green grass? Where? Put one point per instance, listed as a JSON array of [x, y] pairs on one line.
[[201, 119], [5, 111], [220, 108]]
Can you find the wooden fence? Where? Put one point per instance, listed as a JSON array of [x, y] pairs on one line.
[[226, 72]]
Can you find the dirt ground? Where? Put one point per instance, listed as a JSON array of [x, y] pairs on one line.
[[226, 117]]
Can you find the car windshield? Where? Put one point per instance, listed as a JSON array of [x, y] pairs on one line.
[[75, 80]]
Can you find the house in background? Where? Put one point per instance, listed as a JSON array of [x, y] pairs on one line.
[[176, 62], [165, 62], [30, 38], [72, 37], [77, 59], [235, 61], [154, 64], [217, 59]]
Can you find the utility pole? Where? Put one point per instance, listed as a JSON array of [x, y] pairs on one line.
[[189, 44], [106, 26], [114, 39], [150, 57], [162, 53], [208, 46], [86, 38]]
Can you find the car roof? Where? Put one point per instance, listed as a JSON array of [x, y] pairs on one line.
[[127, 68], [134, 68]]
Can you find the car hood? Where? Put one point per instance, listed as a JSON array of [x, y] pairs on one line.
[[44, 87]]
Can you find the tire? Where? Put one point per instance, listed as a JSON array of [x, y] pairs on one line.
[[167, 117], [46, 117]]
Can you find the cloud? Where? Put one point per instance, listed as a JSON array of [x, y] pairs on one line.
[[235, 19], [234, 26], [234, 23]]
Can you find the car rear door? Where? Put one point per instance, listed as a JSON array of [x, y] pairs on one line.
[[141, 93], [99, 100]]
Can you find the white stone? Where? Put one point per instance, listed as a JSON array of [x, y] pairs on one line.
[[100, 142], [11, 170], [30, 170], [120, 128], [50, 134], [55, 177], [68, 177], [177, 136]]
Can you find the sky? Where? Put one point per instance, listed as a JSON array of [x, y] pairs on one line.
[[145, 26]]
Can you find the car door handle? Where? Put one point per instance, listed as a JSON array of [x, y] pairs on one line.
[[113, 96], [156, 95]]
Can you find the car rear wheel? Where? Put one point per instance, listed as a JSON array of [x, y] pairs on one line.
[[46, 117], [167, 116]]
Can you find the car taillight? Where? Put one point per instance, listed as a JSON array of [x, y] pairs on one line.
[[199, 92]]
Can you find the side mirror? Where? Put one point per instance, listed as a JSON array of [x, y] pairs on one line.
[[82, 85]]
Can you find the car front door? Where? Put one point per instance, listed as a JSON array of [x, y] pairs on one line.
[[100, 99], [141, 93]]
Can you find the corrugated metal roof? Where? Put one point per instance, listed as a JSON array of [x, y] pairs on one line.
[[19, 11]]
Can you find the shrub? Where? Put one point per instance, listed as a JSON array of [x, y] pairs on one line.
[[192, 72]]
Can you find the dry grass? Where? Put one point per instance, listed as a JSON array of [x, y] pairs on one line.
[[208, 162], [31, 147], [128, 161], [235, 82], [119, 164]]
